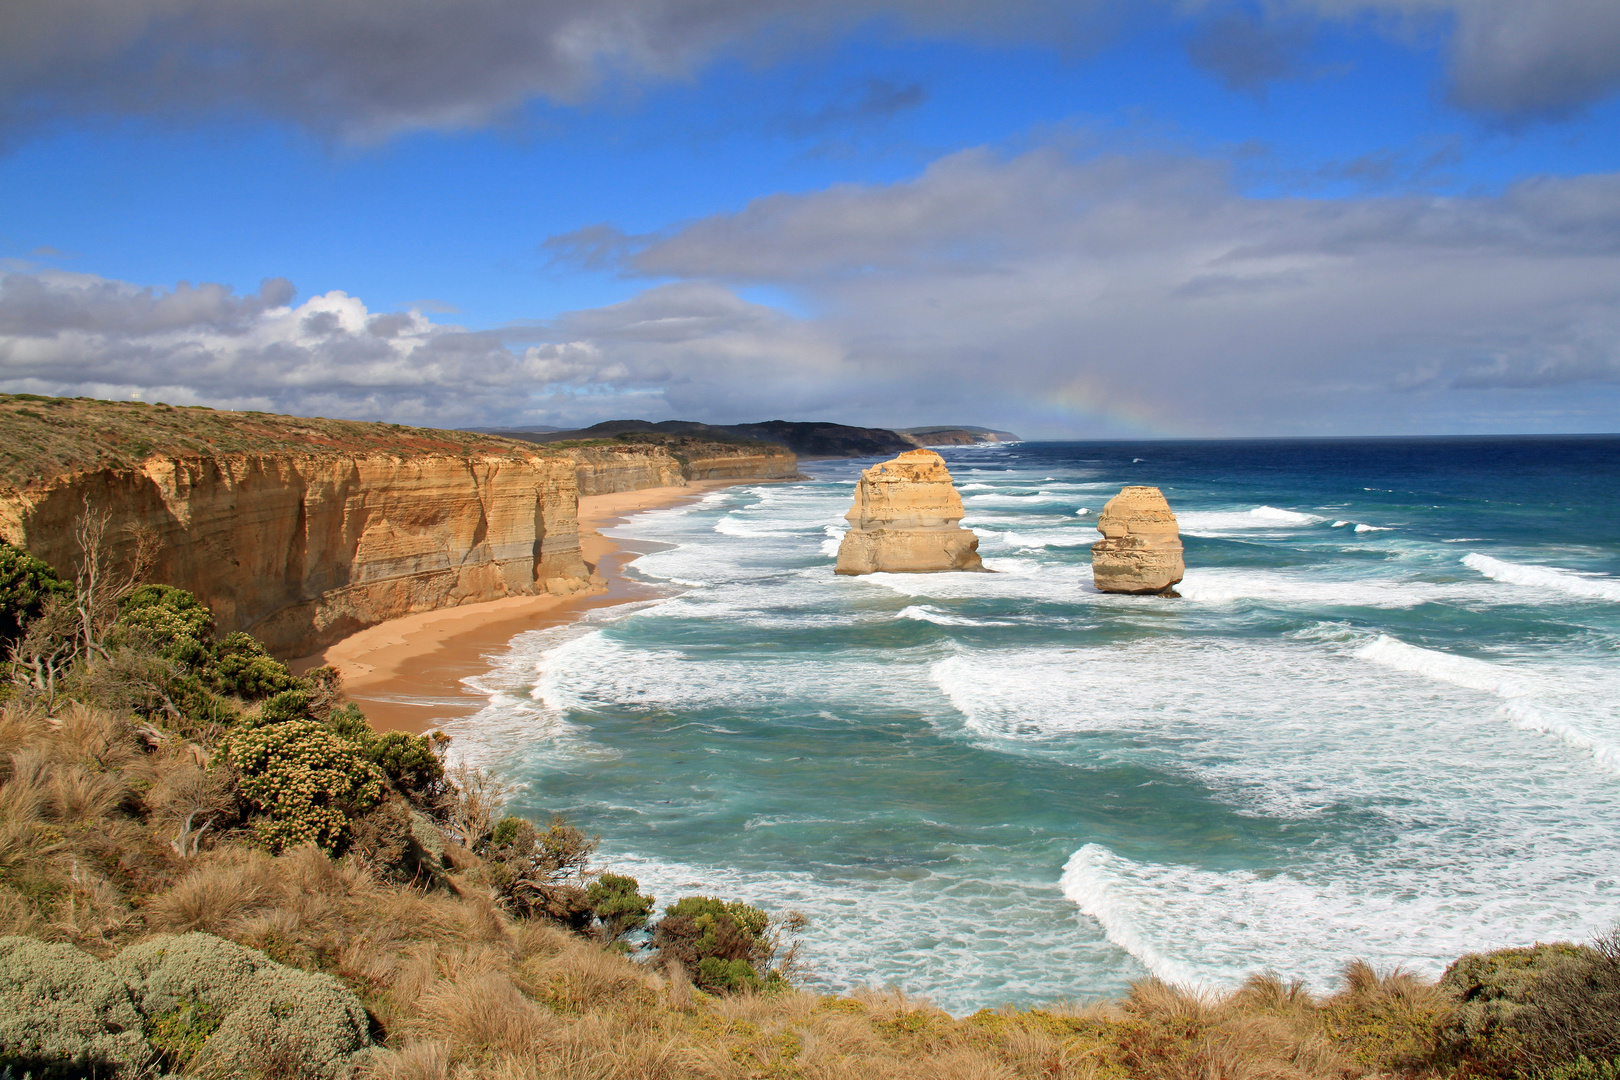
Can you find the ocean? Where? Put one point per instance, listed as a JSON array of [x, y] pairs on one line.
[[1382, 721]]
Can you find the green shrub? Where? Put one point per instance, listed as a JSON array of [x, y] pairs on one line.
[[242, 667], [348, 722], [171, 620], [409, 763], [304, 781], [619, 908], [1538, 1008], [25, 585], [64, 1006], [1583, 1068], [536, 873], [726, 976], [725, 946], [177, 1035], [287, 706]]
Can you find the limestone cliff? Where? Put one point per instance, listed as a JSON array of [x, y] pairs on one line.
[[604, 470], [956, 436], [1140, 551], [673, 461], [759, 462], [301, 531], [906, 520]]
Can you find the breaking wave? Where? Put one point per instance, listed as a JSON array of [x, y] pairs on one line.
[[1568, 582]]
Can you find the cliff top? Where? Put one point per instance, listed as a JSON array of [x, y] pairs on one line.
[[676, 445], [41, 437], [956, 435], [813, 439]]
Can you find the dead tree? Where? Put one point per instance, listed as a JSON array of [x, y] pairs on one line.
[[100, 584]]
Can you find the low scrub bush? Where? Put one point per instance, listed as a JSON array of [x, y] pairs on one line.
[[1539, 1008], [303, 782], [171, 621], [242, 667], [618, 905], [64, 1007], [722, 946], [27, 584], [540, 873]]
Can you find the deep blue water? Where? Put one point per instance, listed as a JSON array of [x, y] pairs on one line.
[[1382, 720]]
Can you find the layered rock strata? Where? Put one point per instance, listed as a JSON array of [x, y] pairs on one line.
[[1140, 551], [605, 470], [304, 548], [906, 520]]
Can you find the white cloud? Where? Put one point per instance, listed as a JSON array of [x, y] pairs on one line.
[[687, 347], [1042, 291]]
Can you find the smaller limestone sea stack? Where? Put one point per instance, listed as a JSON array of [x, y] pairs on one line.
[[905, 520], [1140, 551]]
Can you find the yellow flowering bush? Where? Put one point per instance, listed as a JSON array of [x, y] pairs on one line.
[[304, 782]]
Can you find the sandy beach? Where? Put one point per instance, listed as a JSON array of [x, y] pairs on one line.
[[405, 674]]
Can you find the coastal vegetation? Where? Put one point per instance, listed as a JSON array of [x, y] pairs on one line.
[[210, 866]]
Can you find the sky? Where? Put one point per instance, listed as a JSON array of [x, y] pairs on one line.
[[1082, 219]]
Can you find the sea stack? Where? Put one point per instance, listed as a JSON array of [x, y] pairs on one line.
[[905, 520], [1140, 551]]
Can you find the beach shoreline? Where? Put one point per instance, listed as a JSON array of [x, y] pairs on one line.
[[406, 674]]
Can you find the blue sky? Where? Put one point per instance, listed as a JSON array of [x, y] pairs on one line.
[[1074, 220]]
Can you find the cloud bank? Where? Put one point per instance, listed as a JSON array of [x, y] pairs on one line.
[[366, 69], [1066, 294]]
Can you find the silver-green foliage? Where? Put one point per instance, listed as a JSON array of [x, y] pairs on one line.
[[210, 1006], [62, 1006], [267, 1010]]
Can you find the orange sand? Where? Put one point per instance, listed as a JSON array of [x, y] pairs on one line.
[[405, 674]]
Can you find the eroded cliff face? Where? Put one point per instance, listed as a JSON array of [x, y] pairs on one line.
[[604, 470], [304, 548], [1140, 551], [722, 463], [906, 520]]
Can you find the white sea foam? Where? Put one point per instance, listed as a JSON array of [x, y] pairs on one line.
[[1073, 538], [1524, 700], [1289, 517], [733, 525], [1313, 588], [835, 537], [1568, 582], [1083, 511], [1206, 927], [924, 613], [1217, 522], [1373, 528], [1341, 524]]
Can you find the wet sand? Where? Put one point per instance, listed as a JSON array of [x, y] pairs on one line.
[[405, 674]]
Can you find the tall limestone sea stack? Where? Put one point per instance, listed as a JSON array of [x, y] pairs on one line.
[[1140, 551], [905, 520]]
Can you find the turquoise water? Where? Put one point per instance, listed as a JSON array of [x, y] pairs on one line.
[[1382, 721]]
